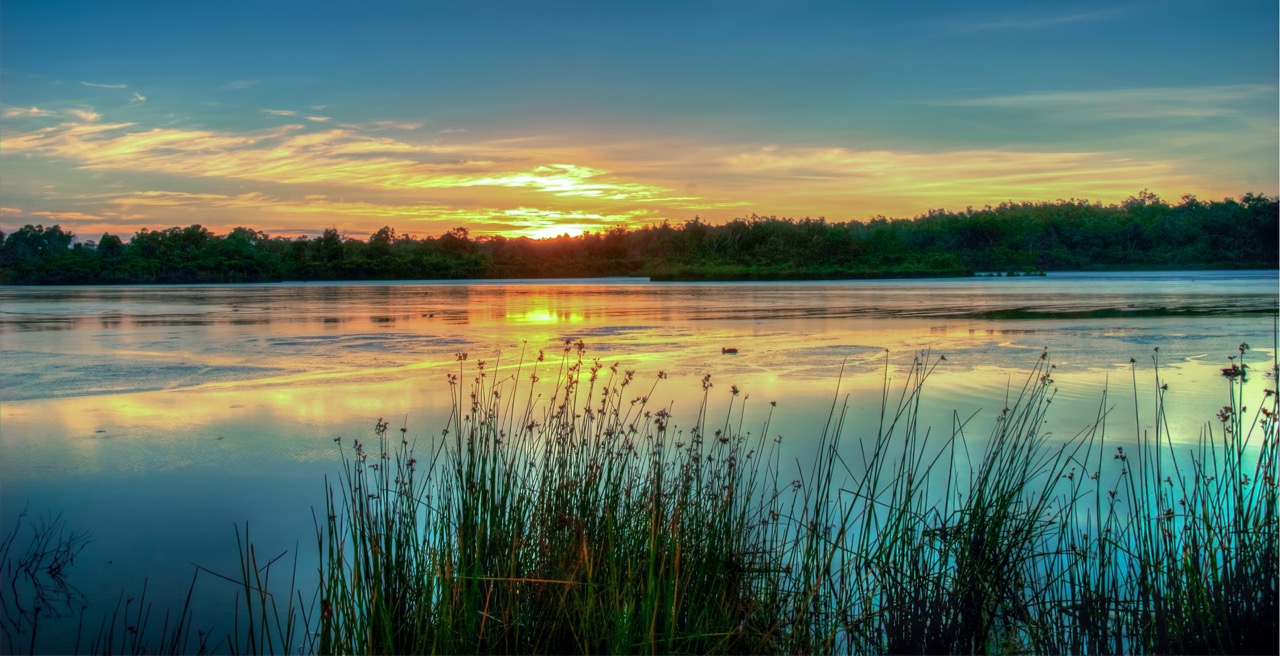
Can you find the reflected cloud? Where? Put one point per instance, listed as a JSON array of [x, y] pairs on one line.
[[337, 354]]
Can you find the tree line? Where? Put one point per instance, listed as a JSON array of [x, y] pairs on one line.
[[1143, 232]]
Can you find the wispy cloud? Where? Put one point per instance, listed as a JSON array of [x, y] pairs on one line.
[[377, 126], [1144, 103], [894, 181], [573, 180], [305, 173], [1040, 22], [68, 216], [259, 201], [85, 115], [317, 119], [522, 220], [25, 112], [845, 164], [292, 155], [236, 85], [280, 112], [138, 98], [105, 86]]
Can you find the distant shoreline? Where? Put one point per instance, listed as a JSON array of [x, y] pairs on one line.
[[851, 276], [1017, 239]]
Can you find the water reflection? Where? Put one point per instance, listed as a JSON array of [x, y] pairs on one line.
[[131, 340], [220, 404], [1061, 297]]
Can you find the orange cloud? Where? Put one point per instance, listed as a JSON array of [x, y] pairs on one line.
[[321, 209], [309, 173], [342, 156], [69, 216]]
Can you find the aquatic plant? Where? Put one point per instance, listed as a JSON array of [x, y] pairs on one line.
[[587, 520], [35, 559], [584, 521]]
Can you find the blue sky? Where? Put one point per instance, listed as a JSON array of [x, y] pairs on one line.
[[550, 117]]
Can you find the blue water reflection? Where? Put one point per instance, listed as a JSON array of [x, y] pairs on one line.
[[157, 418]]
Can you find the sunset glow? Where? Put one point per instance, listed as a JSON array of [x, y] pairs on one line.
[[396, 125]]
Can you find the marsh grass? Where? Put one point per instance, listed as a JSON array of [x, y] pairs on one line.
[[579, 522], [586, 520], [1178, 553], [574, 515]]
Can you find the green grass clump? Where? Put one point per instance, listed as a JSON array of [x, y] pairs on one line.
[[1178, 551], [582, 522], [586, 521]]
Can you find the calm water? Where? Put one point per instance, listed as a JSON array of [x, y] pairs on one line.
[[157, 418]]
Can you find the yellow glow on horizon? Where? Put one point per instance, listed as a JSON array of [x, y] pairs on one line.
[[907, 184], [523, 221], [571, 180], [289, 155], [548, 232], [298, 178]]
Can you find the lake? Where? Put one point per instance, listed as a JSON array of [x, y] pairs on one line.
[[159, 418]]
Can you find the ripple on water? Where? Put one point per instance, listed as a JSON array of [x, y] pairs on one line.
[[48, 375]]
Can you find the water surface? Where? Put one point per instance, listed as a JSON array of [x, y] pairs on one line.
[[157, 418]]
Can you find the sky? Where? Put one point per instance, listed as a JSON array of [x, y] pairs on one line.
[[546, 118]]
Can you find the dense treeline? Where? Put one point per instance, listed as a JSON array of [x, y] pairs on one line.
[[1142, 232]]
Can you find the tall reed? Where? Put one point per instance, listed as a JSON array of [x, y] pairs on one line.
[[1177, 552], [581, 522], [586, 521]]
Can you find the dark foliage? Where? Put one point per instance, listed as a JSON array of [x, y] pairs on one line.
[[1144, 232]]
